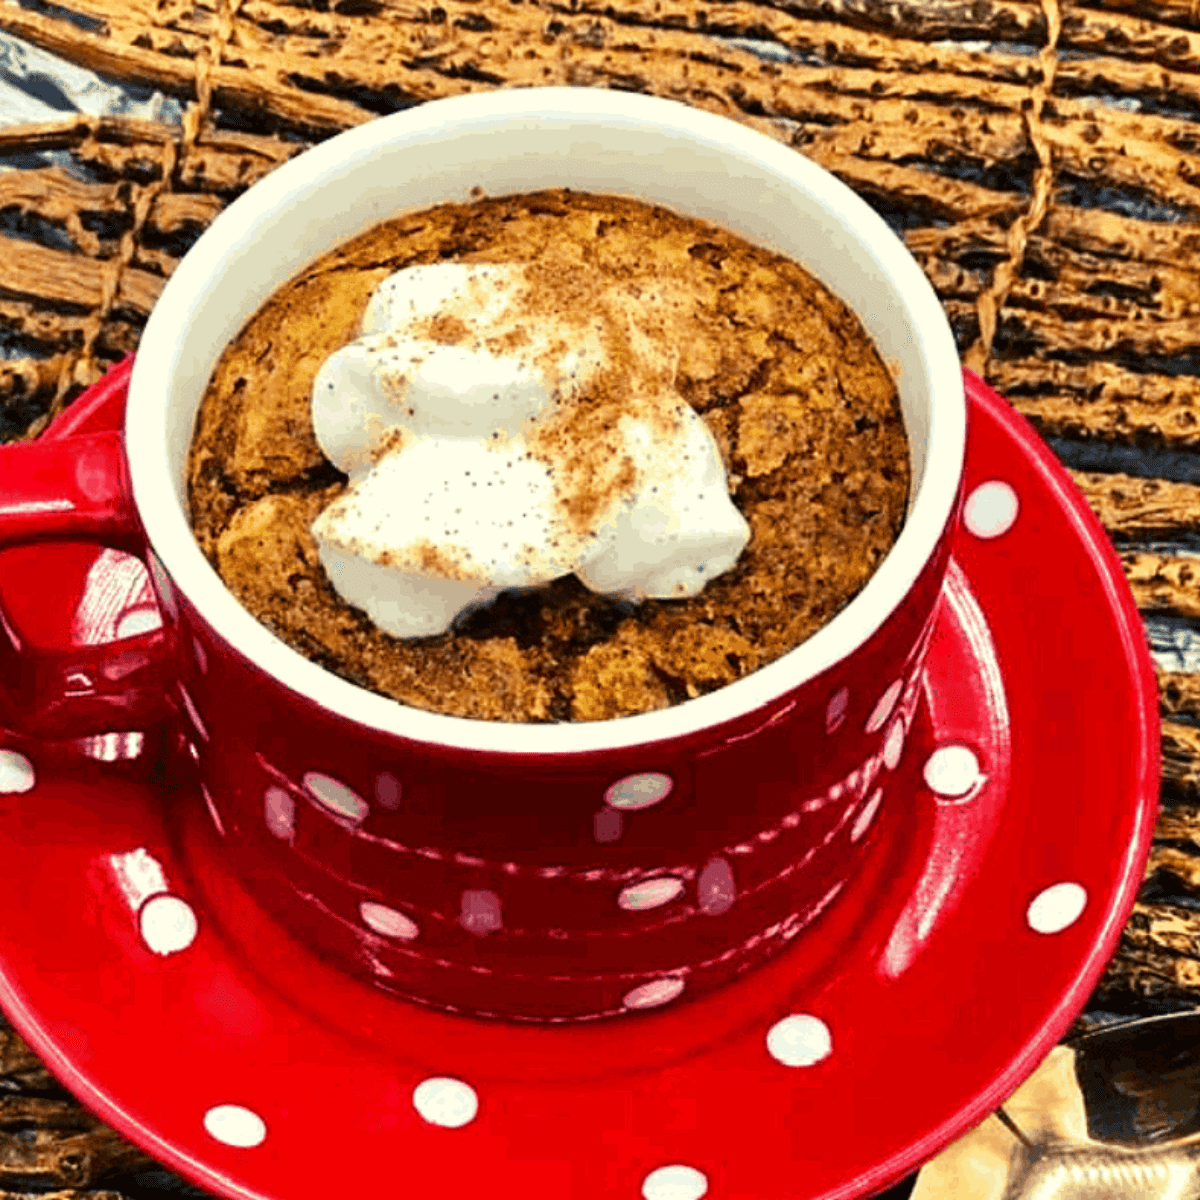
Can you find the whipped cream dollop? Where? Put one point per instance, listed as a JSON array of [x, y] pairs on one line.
[[498, 435]]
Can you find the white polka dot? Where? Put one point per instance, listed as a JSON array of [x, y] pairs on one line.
[[387, 921], [884, 705], [675, 1182], [863, 820], [991, 509], [715, 889], [800, 1040], [893, 744], [16, 772], [952, 771], [650, 893], [654, 993], [143, 619], [835, 711], [607, 825], [201, 657], [387, 792], [235, 1126], [447, 1102], [336, 797], [480, 911], [168, 924], [639, 791], [1056, 908]]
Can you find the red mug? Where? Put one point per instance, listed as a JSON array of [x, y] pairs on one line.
[[530, 872]]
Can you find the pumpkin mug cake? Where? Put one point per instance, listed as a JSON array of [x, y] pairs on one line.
[[612, 456], [625, 728]]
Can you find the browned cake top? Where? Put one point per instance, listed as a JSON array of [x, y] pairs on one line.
[[804, 412]]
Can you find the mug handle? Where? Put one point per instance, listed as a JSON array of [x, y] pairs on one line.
[[77, 488]]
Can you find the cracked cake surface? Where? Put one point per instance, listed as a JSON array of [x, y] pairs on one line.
[[802, 408]]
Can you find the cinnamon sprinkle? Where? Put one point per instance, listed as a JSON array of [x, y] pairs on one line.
[[804, 413], [627, 373]]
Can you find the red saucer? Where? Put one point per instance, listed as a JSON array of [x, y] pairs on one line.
[[156, 989]]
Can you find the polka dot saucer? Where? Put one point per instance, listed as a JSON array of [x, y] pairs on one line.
[[140, 967]]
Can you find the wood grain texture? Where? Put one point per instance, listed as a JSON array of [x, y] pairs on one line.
[[1098, 339], [1102, 401], [20, 1068], [63, 1194], [1179, 693], [1148, 979], [1182, 866], [65, 1157], [1130, 507], [885, 94], [1164, 582], [36, 272], [1158, 927], [872, 92], [48, 1142], [1181, 759]]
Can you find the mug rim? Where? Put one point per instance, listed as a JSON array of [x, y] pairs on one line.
[[173, 543]]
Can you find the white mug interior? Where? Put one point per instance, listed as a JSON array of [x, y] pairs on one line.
[[521, 141]]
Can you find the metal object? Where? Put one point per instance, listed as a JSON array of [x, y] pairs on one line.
[[1140, 1084], [1067, 1172]]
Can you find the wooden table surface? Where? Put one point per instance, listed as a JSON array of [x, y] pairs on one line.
[[1040, 159]]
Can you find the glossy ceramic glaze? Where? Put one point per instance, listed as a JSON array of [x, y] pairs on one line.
[[520, 141], [548, 873], [1005, 857]]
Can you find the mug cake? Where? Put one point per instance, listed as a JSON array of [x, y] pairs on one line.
[[625, 352]]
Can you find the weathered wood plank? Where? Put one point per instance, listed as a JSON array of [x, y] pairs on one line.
[[1179, 693], [1130, 507]]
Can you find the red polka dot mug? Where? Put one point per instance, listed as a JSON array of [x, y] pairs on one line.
[[531, 872]]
